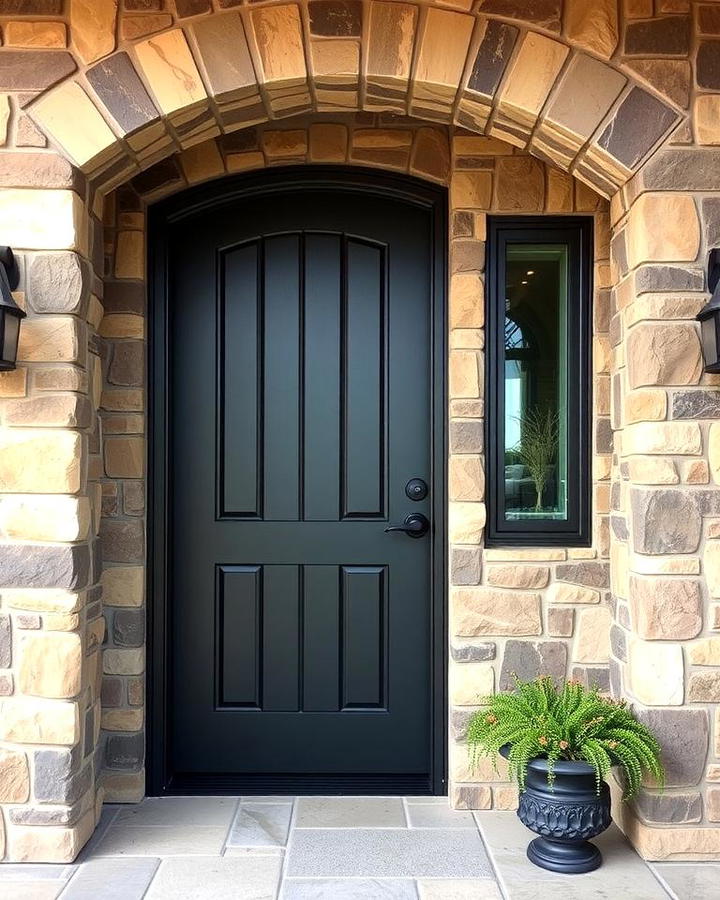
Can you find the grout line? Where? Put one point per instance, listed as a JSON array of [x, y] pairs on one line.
[[154, 875], [660, 880], [233, 818], [406, 812], [286, 854]]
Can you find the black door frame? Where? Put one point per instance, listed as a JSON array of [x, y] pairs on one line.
[[172, 211]]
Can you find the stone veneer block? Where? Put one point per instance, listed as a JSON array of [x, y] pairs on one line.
[[707, 119], [170, 70], [134, 27], [335, 18], [638, 124], [497, 40], [663, 354], [530, 659], [671, 77], [593, 26], [668, 35], [568, 124], [708, 65], [683, 735], [477, 611], [278, 33], [85, 135], [50, 665], [592, 638], [37, 721], [527, 85], [92, 24], [665, 608], [664, 521], [118, 85], [389, 54], [28, 35], [662, 227], [444, 45], [543, 13], [38, 70], [656, 673], [37, 461]]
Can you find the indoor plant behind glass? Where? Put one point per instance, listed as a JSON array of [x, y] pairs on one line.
[[560, 744]]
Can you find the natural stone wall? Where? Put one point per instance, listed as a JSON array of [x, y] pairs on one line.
[[95, 93]]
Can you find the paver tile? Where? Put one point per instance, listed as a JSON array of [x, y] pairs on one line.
[[350, 812], [165, 840], [378, 853], [247, 878], [30, 890], [436, 815], [459, 889], [111, 879], [260, 825], [203, 811], [348, 889], [701, 881]]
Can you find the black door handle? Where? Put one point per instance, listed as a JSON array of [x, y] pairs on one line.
[[414, 526]]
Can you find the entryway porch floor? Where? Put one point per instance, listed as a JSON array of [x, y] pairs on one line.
[[334, 848]]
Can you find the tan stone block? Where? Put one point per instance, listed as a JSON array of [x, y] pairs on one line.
[[519, 184], [704, 687], [444, 45], [44, 600], [465, 338], [50, 35], [559, 192], [713, 772], [278, 33], [170, 70], [123, 585], [650, 470], [462, 769], [593, 26], [202, 162], [328, 143], [711, 567], [39, 843], [40, 518], [705, 652], [644, 406], [480, 145], [124, 457], [525, 577], [526, 554], [663, 354], [602, 355], [130, 255], [282, 144], [471, 190], [466, 478], [655, 673], [506, 797], [431, 154], [85, 135], [243, 162], [92, 23], [14, 777], [714, 451], [336, 58], [592, 635], [4, 118], [532, 74], [27, 720], [122, 400], [118, 424], [124, 661], [707, 119], [13, 383], [678, 844], [478, 611], [664, 565], [665, 608], [50, 339], [43, 220], [681, 438], [695, 471], [50, 665], [464, 376], [470, 683], [390, 43], [572, 593], [662, 227], [42, 461], [466, 522], [57, 622], [467, 307], [474, 796], [122, 719], [122, 325], [123, 787]]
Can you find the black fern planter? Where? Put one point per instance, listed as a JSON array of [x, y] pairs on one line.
[[565, 816]]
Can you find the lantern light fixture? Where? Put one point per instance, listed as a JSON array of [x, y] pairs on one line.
[[709, 317], [10, 312]]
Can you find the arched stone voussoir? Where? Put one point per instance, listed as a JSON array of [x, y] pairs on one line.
[[227, 71]]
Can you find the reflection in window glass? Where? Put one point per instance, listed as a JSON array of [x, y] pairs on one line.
[[535, 374]]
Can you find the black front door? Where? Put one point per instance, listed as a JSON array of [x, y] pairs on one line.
[[300, 637]]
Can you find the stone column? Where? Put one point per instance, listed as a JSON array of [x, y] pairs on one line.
[[665, 500], [51, 627]]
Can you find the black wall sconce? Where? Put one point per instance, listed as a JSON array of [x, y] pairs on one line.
[[709, 317], [10, 312]]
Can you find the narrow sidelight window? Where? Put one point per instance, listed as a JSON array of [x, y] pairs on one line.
[[538, 378]]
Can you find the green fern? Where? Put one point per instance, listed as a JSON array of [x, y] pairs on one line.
[[538, 719]]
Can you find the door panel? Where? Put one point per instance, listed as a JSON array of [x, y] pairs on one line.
[[301, 634]]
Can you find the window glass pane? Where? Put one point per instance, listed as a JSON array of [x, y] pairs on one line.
[[536, 375]]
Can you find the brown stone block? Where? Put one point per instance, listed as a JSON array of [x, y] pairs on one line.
[[544, 13], [592, 25], [13, 383], [668, 35], [328, 143], [92, 23], [134, 27], [122, 541], [36, 70], [639, 122], [336, 18], [28, 35], [124, 457], [118, 85], [494, 51], [671, 77], [519, 184]]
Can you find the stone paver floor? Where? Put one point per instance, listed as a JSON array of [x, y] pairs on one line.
[[334, 848]]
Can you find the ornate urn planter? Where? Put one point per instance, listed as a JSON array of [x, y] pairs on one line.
[[565, 815]]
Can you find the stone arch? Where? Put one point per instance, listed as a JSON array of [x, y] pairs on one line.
[[491, 72]]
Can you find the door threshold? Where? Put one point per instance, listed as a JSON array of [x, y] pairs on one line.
[[199, 784]]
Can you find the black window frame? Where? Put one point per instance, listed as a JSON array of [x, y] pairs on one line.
[[577, 233]]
